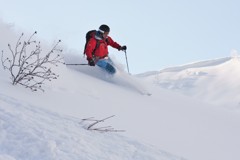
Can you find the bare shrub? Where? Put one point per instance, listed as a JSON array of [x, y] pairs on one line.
[[28, 66]]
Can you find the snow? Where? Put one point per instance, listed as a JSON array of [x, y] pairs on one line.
[[28, 132], [218, 78], [192, 113]]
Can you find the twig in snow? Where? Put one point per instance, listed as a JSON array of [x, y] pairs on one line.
[[92, 126]]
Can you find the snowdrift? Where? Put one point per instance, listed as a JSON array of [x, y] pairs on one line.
[[214, 81]]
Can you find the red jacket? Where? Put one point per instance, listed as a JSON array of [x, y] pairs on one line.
[[102, 50]]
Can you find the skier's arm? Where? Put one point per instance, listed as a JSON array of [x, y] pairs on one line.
[[113, 44]]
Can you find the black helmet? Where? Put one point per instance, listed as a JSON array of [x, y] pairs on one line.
[[104, 28]]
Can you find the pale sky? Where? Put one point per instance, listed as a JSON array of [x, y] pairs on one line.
[[158, 33]]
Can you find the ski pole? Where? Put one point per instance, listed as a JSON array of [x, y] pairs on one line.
[[76, 64], [126, 60]]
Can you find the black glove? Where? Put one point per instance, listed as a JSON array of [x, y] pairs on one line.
[[91, 62], [123, 48]]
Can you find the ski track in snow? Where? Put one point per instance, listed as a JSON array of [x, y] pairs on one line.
[[27, 132], [120, 78]]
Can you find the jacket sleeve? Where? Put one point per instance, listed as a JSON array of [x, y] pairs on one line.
[[90, 47], [113, 44]]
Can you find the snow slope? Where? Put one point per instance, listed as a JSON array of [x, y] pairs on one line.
[[31, 133], [167, 120], [48, 125]]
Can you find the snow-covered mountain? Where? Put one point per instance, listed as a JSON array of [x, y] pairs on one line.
[[167, 125], [214, 81]]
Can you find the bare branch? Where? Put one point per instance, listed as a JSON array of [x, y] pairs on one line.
[[93, 127], [31, 69]]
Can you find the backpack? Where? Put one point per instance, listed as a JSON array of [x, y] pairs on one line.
[[89, 35]]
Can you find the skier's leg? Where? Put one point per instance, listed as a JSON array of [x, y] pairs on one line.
[[104, 64]]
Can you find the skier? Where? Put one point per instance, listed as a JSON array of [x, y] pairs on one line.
[[96, 49]]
